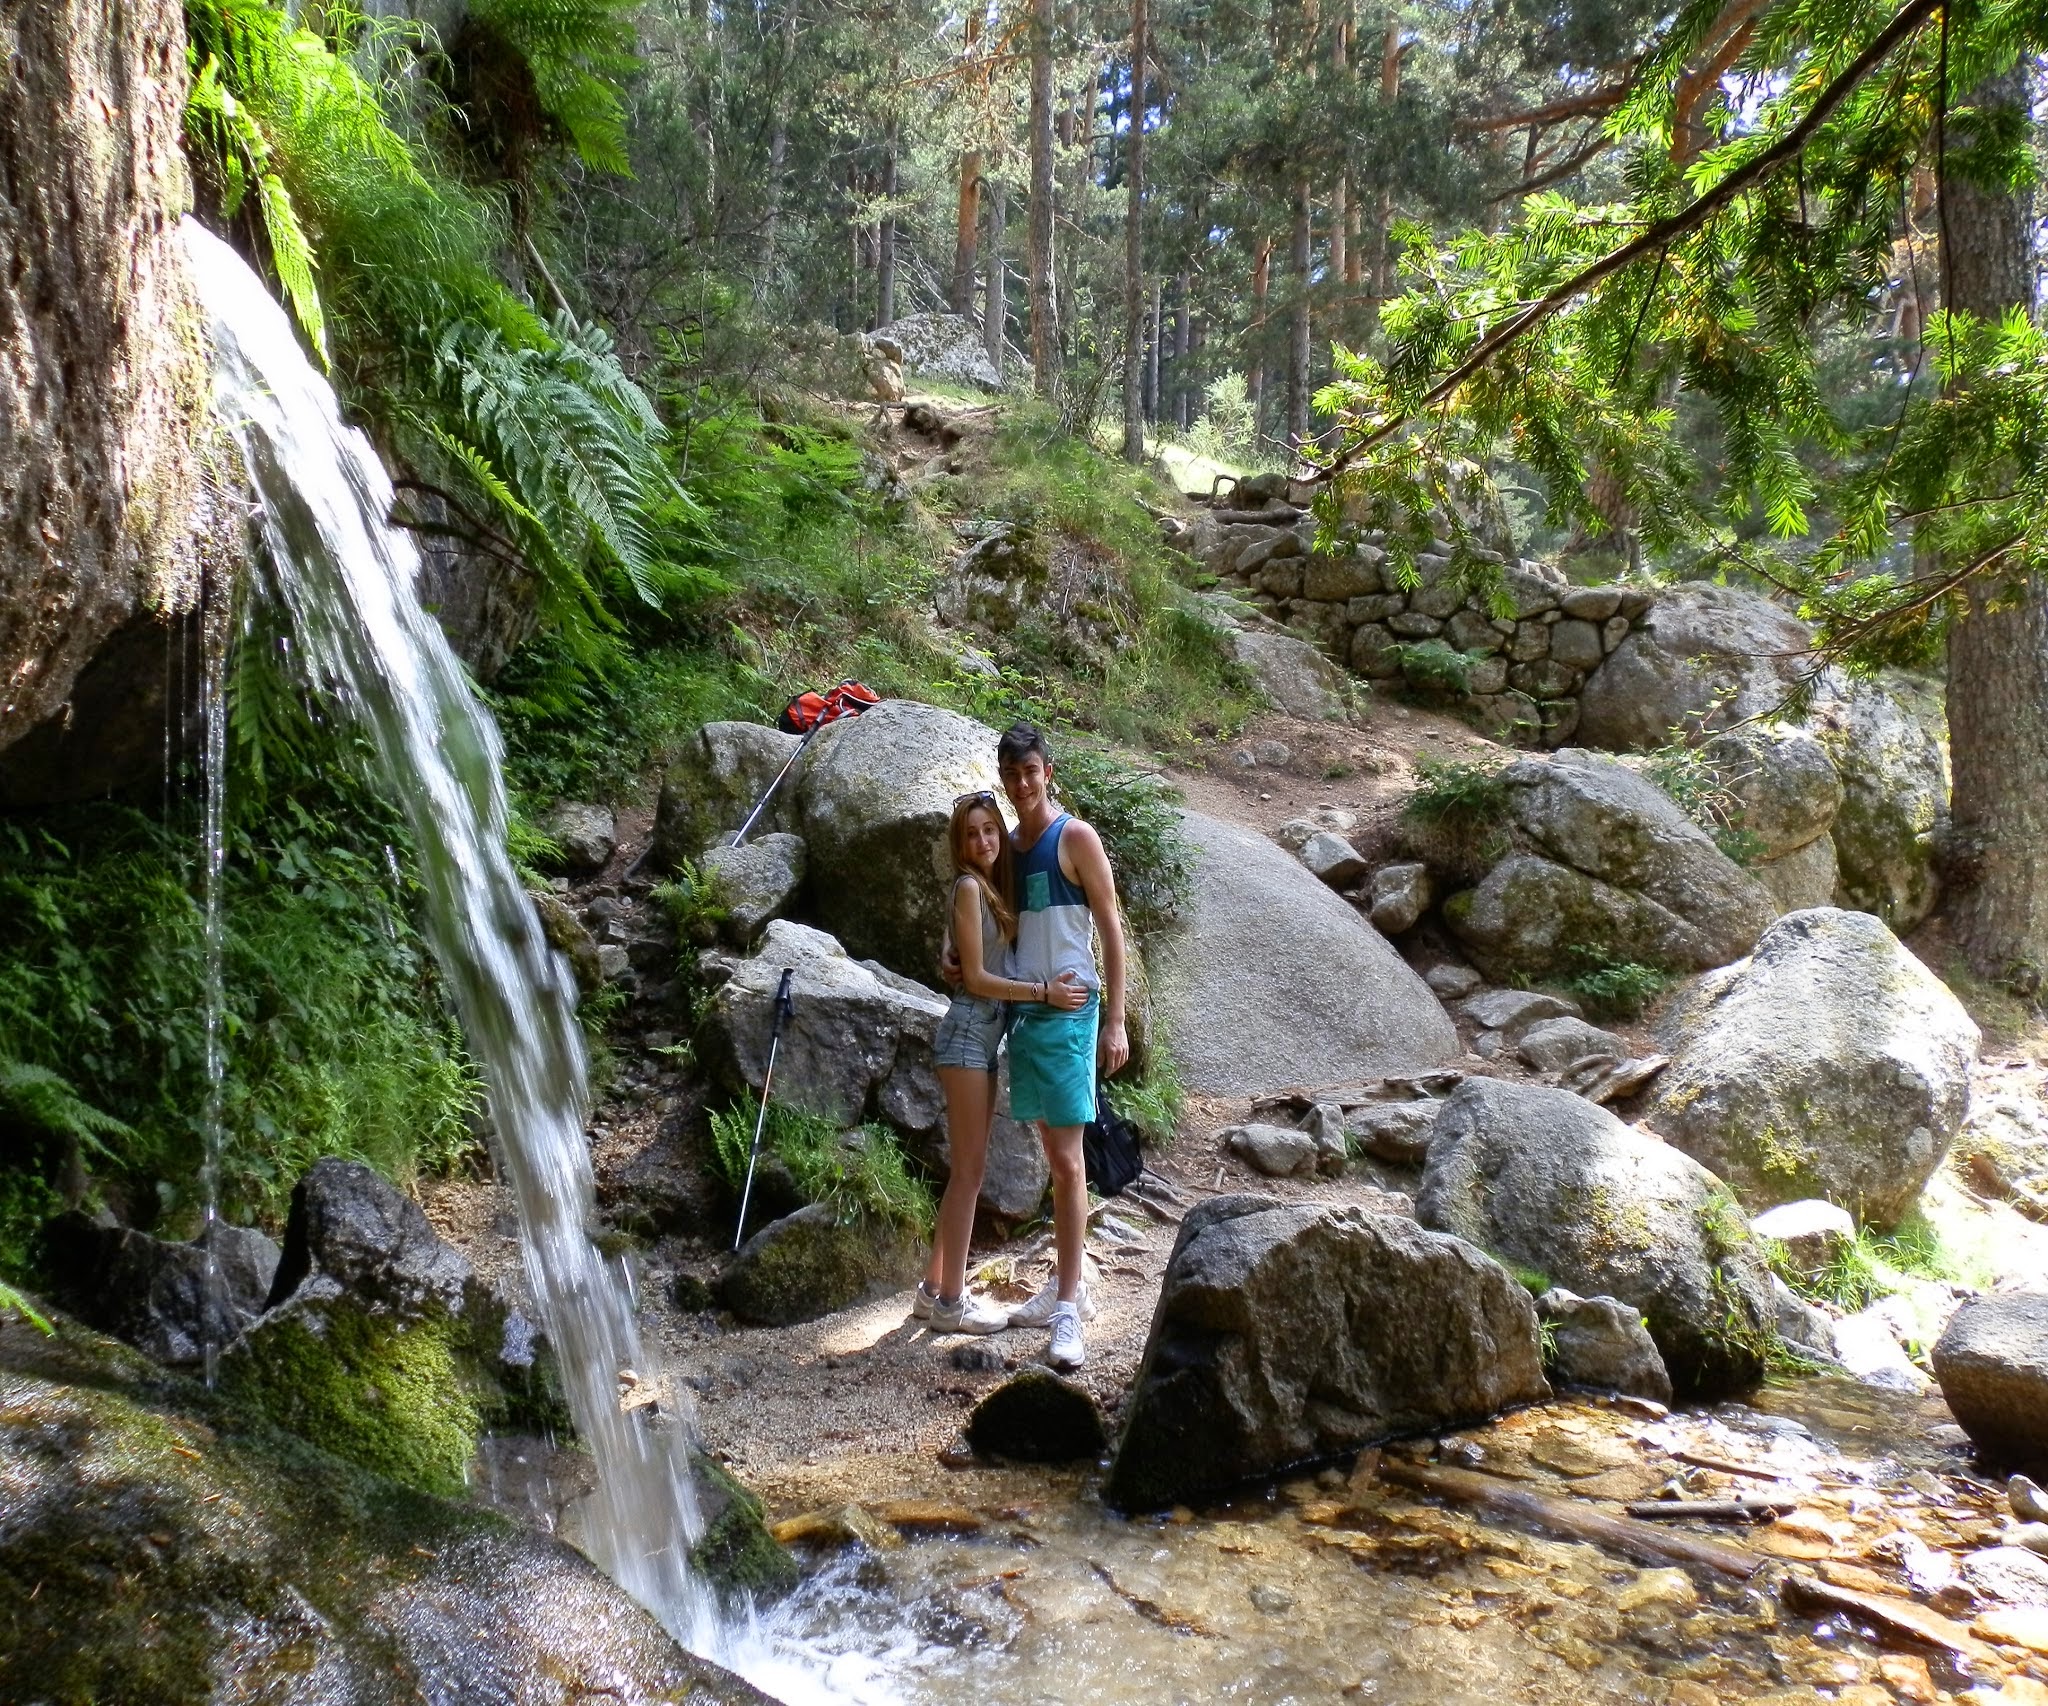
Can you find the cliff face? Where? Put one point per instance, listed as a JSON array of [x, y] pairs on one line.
[[102, 377]]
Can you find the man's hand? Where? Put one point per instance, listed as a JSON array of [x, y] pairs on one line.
[[1113, 1048], [949, 966]]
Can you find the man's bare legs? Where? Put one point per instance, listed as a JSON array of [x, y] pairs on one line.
[[1069, 1202], [970, 1109]]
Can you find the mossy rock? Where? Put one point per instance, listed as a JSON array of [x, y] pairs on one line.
[[164, 1546], [811, 1262], [737, 1554]]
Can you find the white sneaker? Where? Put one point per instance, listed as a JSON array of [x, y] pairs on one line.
[[922, 1302], [967, 1314], [1038, 1312], [1067, 1349]]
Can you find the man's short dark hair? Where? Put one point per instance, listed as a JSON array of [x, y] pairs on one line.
[[1019, 742]]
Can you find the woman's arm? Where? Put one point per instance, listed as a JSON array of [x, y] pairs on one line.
[[975, 977]]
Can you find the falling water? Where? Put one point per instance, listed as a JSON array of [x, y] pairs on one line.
[[213, 651], [348, 581]]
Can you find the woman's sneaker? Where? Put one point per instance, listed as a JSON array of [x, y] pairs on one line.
[[966, 1314], [922, 1302], [1067, 1349], [1038, 1312]]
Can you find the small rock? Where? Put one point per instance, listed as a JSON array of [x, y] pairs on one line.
[[807, 1264], [2029, 1502], [1276, 1151], [1516, 1010], [1037, 1416], [1866, 1346], [566, 935], [588, 835], [1602, 1342], [1325, 1124], [1333, 859], [1812, 1234], [849, 1525], [1802, 1325], [756, 882], [975, 1356], [1245, 759], [1451, 982], [1401, 894], [1672, 1588], [2012, 1575], [2032, 1535], [1271, 1600], [1273, 752], [1294, 834], [614, 963], [1557, 1043], [1396, 1132]]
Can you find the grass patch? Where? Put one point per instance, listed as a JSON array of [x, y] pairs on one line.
[[859, 1172], [1456, 816], [1611, 988], [1873, 1266], [1155, 1102]]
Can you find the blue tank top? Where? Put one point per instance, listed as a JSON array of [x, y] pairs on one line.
[[1055, 929]]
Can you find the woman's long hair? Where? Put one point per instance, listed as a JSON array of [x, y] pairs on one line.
[[1001, 894]]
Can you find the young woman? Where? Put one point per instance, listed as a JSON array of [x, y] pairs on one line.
[[984, 930]]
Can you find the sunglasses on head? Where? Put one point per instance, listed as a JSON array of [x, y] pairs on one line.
[[977, 797]]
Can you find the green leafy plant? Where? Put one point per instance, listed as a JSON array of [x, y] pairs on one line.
[[858, 1172], [1457, 793], [1612, 988], [695, 903], [1137, 817], [1703, 790], [1432, 668], [1154, 1102], [1873, 1266], [12, 1302]]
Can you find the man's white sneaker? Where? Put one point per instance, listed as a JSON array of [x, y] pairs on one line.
[[922, 1302], [1067, 1349], [967, 1314], [1038, 1312]]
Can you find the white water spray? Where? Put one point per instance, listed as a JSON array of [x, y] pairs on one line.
[[348, 580]]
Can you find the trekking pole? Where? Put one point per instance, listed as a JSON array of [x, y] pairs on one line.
[[761, 805], [785, 1004]]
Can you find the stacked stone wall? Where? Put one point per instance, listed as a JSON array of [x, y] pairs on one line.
[[1524, 669]]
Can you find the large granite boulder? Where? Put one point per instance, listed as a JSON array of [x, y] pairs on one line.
[[876, 794], [586, 834], [1703, 657], [813, 1262], [1831, 1063], [1284, 1334], [1992, 1362], [756, 881], [381, 1344], [857, 1046], [1888, 739], [1609, 863], [1784, 784], [1807, 876], [173, 1302], [714, 780], [1546, 1180], [1291, 673], [251, 1565], [944, 346], [1269, 980]]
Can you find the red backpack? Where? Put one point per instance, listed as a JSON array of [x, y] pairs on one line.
[[808, 711]]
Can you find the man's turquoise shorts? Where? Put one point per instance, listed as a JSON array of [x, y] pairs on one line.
[[1052, 1064]]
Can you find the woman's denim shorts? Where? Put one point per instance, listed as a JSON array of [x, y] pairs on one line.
[[970, 1034]]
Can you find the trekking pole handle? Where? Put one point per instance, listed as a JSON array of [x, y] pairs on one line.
[[785, 1000]]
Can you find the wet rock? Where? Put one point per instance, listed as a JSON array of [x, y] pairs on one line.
[[256, 1566], [1867, 1345], [167, 1300], [1514, 1011], [1602, 1342], [1037, 1416], [1888, 739], [1279, 1152], [2029, 1501], [2011, 1575], [848, 1525], [1703, 657], [1800, 1324], [1284, 1334], [757, 881], [1332, 860], [1992, 1362], [1831, 1063], [713, 782], [1811, 1234], [1396, 1132], [565, 933], [1557, 1043], [587, 834], [380, 1345], [1450, 981], [875, 795], [1268, 979], [1544, 1179], [1291, 673], [1401, 894], [812, 1263]]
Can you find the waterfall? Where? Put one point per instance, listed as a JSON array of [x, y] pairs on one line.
[[348, 582]]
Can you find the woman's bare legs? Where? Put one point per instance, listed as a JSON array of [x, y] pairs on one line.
[[970, 1111]]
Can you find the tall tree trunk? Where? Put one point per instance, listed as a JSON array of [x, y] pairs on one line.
[[1340, 191], [1383, 214], [1134, 248], [995, 305], [967, 218], [1045, 342], [1998, 659], [778, 140], [1153, 352], [1300, 257], [1255, 381], [885, 239], [1183, 374]]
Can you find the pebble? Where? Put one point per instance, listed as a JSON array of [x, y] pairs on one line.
[[2029, 1502], [1271, 1600]]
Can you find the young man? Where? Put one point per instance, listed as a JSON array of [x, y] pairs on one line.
[[1065, 894]]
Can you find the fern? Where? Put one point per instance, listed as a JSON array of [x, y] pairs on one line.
[[41, 1100]]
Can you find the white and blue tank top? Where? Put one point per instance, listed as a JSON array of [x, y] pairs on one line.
[[1055, 930]]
